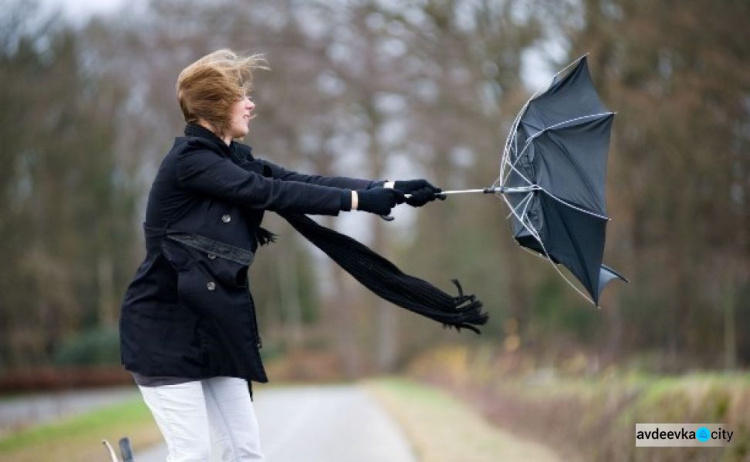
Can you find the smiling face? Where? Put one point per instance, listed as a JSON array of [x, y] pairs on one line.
[[212, 92], [240, 114]]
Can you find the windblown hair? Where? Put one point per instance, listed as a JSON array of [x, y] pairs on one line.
[[209, 87]]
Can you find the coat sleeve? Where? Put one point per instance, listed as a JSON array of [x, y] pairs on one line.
[[283, 174], [206, 172]]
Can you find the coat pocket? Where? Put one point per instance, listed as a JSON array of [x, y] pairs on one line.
[[204, 270]]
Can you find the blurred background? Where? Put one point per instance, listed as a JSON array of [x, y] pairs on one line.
[[389, 89]]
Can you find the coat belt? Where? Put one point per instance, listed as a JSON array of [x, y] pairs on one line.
[[207, 245]]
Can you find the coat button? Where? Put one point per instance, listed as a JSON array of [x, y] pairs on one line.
[[211, 256], [226, 218], [211, 285]]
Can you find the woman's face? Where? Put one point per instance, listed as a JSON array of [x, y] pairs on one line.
[[241, 113]]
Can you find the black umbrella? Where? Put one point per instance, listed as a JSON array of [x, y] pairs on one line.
[[552, 177]]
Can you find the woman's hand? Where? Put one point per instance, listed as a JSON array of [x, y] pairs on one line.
[[420, 191], [378, 200]]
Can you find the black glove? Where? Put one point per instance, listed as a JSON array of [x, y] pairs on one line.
[[420, 191], [379, 200]]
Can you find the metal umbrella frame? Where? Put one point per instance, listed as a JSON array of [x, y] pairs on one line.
[[527, 197]]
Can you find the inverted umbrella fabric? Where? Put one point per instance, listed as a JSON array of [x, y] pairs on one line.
[[556, 155]]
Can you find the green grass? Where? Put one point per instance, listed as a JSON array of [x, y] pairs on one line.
[[79, 437], [442, 428]]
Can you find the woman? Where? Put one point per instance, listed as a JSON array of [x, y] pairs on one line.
[[188, 328]]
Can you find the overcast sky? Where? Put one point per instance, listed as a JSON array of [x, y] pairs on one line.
[[78, 11]]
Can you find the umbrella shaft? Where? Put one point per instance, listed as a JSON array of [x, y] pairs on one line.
[[501, 190]]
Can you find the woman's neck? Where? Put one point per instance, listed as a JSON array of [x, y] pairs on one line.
[[225, 138]]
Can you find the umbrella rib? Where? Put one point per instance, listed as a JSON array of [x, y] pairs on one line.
[[577, 248], [512, 139], [530, 228], [512, 133], [531, 138], [511, 146], [513, 164], [513, 168], [574, 207], [526, 207], [526, 200], [564, 122]]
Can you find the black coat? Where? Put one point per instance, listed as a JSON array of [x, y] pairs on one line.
[[189, 312]]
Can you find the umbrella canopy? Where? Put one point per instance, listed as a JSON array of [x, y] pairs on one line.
[[553, 173]]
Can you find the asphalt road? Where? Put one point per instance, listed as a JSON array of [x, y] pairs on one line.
[[340, 423]]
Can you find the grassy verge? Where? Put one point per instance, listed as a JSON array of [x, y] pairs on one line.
[[441, 428], [79, 437], [593, 416]]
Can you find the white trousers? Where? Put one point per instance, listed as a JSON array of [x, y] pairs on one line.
[[185, 412]]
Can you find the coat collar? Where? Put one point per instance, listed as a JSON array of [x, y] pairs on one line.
[[198, 131], [232, 150]]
